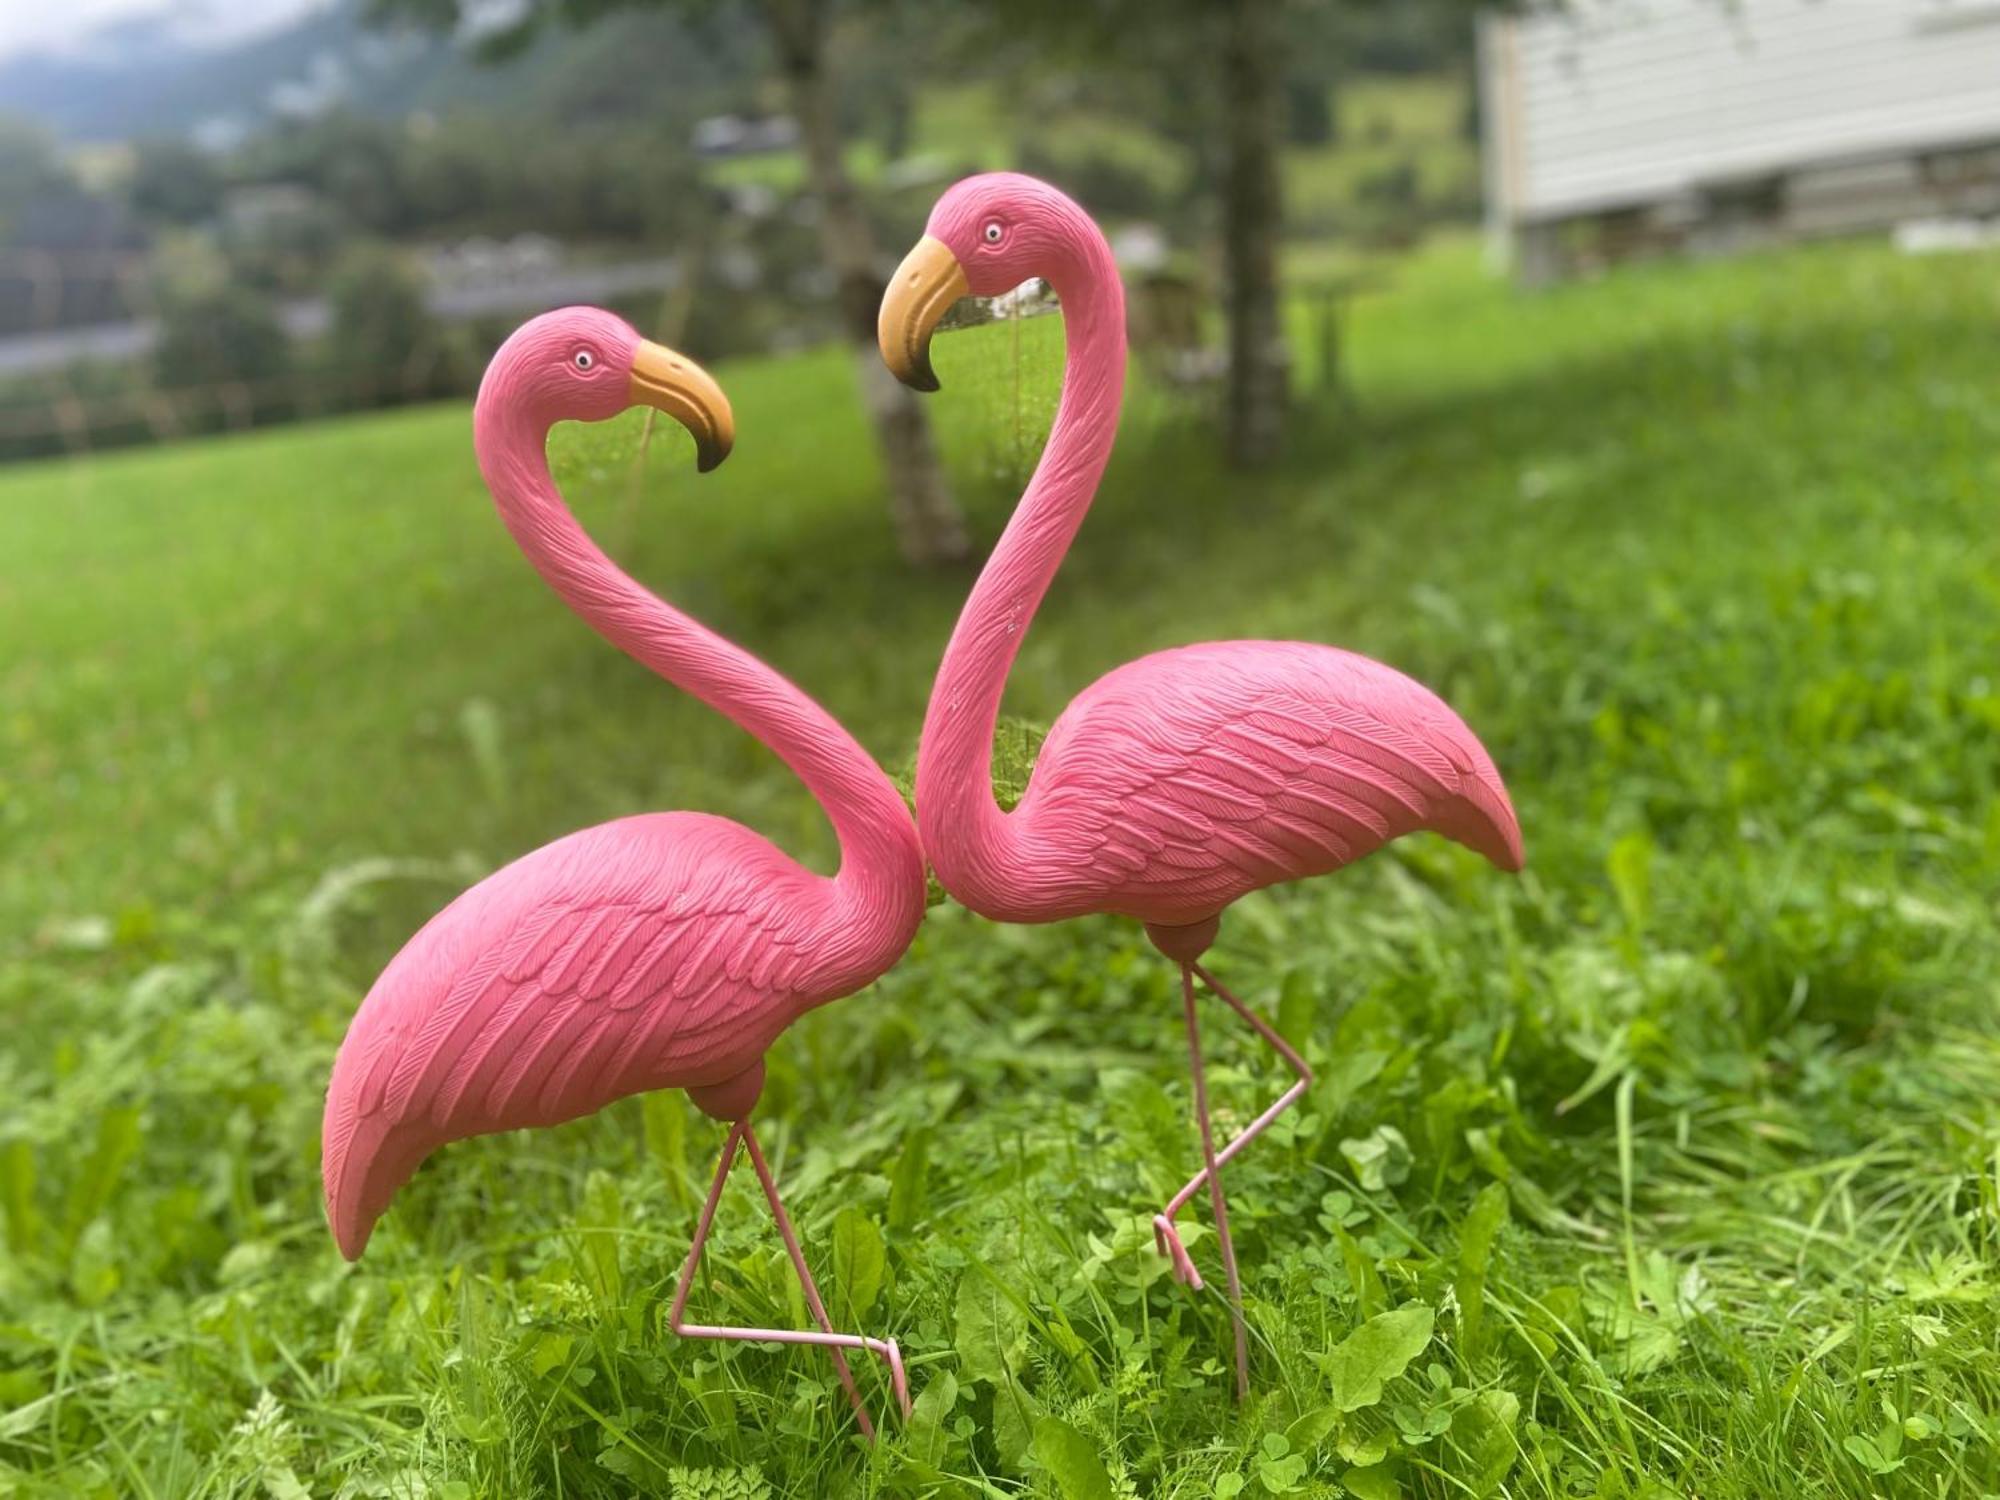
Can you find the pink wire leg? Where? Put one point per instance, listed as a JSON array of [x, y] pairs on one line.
[[741, 1133], [1164, 1234]]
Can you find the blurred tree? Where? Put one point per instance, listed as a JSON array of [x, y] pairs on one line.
[[73, 248], [1214, 77], [30, 167], [355, 163], [1228, 82], [281, 240], [927, 522], [215, 331], [475, 173], [381, 329], [1253, 221], [928, 525], [173, 182], [1310, 116], [1211, 77]]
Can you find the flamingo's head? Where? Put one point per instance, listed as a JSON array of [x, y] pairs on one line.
[[987, 235], [582, 364]]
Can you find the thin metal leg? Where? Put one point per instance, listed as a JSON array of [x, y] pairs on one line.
[[740, 1134]]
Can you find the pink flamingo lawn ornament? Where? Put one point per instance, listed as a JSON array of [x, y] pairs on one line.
[[1181, 781], [664, 950]]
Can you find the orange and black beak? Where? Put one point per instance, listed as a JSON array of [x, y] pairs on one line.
[[676, 385], [926, 284]]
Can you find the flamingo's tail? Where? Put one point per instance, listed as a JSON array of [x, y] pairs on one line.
[[1483, 818], [1496, 832], [376, 1160], [365, 1154]]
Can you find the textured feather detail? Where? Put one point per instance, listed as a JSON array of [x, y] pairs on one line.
[[650, 972], [596, 1035], [556, 938], [1301, 839], [621, 956], [1184, 780], [1281, 757], [538, 1042], [665, 950]]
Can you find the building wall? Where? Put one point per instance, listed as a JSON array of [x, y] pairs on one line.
[[1619, 104]]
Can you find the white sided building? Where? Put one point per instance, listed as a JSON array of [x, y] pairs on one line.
[[1621, 127]]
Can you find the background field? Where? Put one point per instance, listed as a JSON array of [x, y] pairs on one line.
[[1685, 1140]]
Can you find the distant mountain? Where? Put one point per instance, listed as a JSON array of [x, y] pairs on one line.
[[142, 79]]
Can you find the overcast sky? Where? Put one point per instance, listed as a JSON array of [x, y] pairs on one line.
[[28, 25]]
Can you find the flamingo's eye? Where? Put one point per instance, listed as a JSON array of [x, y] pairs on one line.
[[994, 232], [583, 359]]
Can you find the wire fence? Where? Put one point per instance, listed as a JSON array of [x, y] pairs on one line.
[[74, 421]]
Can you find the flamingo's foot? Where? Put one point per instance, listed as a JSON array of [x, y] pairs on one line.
[[1168, 1241], [892, 1355]]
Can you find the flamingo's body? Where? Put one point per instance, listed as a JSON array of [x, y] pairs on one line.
[[667, 950], [664, 950], [1182, 781], [1179, 782]]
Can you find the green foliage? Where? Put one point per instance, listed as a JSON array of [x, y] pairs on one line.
[[30, 167], [1379, 1350], [718, 1484], [1399, 160], [494, 171], [1697, 1118], [228, 338], [1476, 1236], [380, 326], [1071, 1461], [859, 1260], [174, 182], [1379, 1160], [214, 329]]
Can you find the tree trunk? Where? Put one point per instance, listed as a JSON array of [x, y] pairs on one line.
[[928, 525], [1253, 218]]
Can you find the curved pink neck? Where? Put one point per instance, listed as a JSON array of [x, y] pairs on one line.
[[968, 839], [881, 864]]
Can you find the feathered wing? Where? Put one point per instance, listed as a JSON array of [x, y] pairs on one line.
[[1184, 780], [658, 951]]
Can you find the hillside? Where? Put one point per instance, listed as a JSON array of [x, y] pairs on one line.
[[330, 58]]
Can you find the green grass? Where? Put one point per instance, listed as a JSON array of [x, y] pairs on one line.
[[1671, 1167]]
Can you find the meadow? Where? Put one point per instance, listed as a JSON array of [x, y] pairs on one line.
[[1670, 1167]]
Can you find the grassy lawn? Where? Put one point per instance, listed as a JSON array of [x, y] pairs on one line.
[[1671, 1167]]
